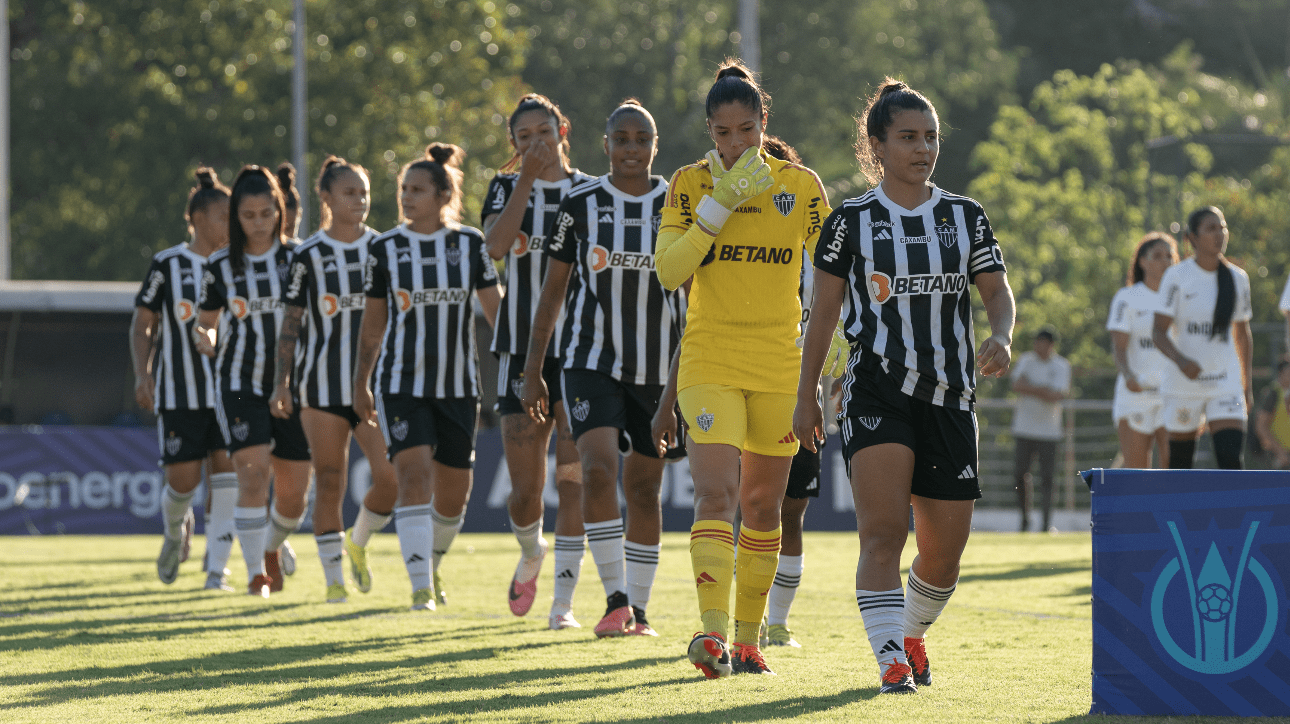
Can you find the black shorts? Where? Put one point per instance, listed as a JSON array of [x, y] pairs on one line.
[[245, 421], [510, 382], [804, 475], [187, 435], [447, 425], [944, 440], [341, 411], [597, 400]]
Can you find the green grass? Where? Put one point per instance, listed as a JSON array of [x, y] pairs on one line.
[[87, 633]]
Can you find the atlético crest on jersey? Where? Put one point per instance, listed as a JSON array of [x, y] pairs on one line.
[[705, 418], [947, 233], [454, 255], [581, 410], [173, 444], [784, 202], [656, 221]]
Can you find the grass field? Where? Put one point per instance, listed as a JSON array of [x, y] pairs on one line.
[[87, 633]]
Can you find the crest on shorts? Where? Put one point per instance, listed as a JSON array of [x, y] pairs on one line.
[[173, 444], [241, 431], [581, 409], [784, 202], [454, 255], [870, 423], [399, 430], [705, 420], [517, 387]]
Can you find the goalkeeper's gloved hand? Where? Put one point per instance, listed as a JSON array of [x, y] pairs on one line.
[[835, 361], [748, 177]]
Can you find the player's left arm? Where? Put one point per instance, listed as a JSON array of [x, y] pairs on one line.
[[487, 289], [1242, 337]]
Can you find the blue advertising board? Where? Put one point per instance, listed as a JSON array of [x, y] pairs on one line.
[[1189, 599], [106, 480]]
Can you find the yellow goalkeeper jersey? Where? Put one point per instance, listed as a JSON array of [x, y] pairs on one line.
[[744, 309]]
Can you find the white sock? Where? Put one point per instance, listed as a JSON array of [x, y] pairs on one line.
[[787, 577], [923, 604], [531, 550], [366, 524], [883, 613], [569, 550], [412, 523], [252, 531], [605, 539], [282, 527], [445, 532], [219, 531], [642, 564], [331, 547], [174, 506]]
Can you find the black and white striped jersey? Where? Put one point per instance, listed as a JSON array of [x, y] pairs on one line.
[[908, 301], [618, 319], [184, 378], [326, 278], [253, 309], [427, 280], [525, 263]]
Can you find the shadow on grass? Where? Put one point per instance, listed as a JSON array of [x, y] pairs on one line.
[[1035, 570]]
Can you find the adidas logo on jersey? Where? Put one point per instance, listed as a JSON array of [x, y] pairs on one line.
[[330, 266], [606, 218], [870, 423], [967, 473], [890, 647], [882, 235]]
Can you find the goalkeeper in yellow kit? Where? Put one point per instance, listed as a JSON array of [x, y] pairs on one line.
[[738, 222]]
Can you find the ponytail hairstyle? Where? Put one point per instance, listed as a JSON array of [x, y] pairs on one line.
[[537, 102], [735, 84], [892, 96], [1221, 323], [286, 174], [251, 181], [631, 104], [332, 168], [207, 191], [779, 148], [443, 162], [1145, 245]]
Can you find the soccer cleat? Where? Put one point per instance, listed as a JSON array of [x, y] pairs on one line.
[[423, 599], [288, 556], [641, 627], [217, 582], [747, 659], [186, 535], [439, 594], [168, 560], [259, 586], [522, 594], [362, 573], [898, 679], [780, 635], [336, 593], [618, 619], [916, 652], [709, 654], [561, 621], [273, 570]]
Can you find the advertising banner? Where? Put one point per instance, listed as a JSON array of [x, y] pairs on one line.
[[1189, 600]]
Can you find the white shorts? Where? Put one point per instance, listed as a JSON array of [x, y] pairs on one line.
[[1184, 414], [1142, 410]]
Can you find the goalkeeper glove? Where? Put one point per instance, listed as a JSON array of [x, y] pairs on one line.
[[835, 361], [748, 177]]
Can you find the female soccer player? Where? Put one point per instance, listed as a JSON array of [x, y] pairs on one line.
[[286, 174], [517, 215], [419, 281], [326, 283], [1206, 300], [903, 255], [1136, 410], [246, 281], [620, 330], [738, 222], [178, 385]]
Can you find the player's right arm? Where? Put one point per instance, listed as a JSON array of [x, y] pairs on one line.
[[210, 301], [502, 222], [143, 335], [1167, 300], [370, 333]]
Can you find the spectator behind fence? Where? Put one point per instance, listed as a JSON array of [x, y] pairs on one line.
[[1272, 423], [1042, 379]]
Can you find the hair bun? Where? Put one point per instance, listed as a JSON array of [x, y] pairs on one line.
[[205, 177], [445, 154], [631, 101], [331, 160], [735, 69], [891, 85], [286, 174]]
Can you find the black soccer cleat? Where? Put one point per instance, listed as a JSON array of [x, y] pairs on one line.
[[747, 659], [898, 679], [916, 652]]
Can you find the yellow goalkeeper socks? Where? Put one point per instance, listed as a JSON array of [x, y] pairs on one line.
[[712, 552], [758, 558]]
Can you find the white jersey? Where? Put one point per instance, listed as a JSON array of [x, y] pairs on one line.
[[1133, 311], [1284, 305], [1188, 295]]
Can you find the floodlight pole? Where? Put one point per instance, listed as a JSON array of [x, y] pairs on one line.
[[750, 34], [5, 187], [299, 101]]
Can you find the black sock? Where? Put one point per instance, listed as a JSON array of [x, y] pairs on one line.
[[1181, 454], [1227, 449]]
